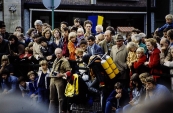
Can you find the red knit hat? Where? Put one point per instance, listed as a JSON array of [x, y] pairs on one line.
[[68, 73]]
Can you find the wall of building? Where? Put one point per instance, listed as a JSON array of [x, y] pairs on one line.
[[12, 19]]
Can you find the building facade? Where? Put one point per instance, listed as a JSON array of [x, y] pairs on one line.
[[117, 13]]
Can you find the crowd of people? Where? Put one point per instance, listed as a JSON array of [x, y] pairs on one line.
[[68, 66]]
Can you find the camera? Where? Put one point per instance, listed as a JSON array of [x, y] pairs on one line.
[[54, 73]]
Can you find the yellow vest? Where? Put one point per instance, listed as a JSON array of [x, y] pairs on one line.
[[72, 88]]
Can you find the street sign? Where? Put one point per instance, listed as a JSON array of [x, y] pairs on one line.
[[48, 3], [51, 4]]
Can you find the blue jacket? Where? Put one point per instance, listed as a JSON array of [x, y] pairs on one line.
[[170, 26], [10, 85], [33, 87], [97, 50], [123, 100]]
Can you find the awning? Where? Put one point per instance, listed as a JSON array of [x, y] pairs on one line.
[[125, 29]]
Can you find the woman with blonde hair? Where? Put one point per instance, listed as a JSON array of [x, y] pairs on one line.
[[153, 57], [72, 45], [5, 64]]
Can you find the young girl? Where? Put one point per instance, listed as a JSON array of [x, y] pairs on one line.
[[141, 59], [43, 91], [72, 45], [5, 64], [132, 57], [26, 55]]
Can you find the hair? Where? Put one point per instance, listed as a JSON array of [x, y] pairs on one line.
[[118, 85], [30, 44], [141, 50], [111, 29], [71, 35], [169, 16], [142, 35], [30, 31], [83, 42], [36, 35], [157, 38], [20, 28], [27, 49], [80, 29], [151, 79], [144, 75], [21, 79], [136, 30], [170, 33], [63, 22], [13, 37], [136, 38], [56, 29], [21, 34], [100, 27], [66, 29], [38, 22], [152, 41], [30, 72], [46, 30], [166, 29], [77, 20], [135, 78], [88, 22], [5, 57], [47, 25], [79, 50], [132, 45], [43, 62], [92, 38], [73, 29], [5, 72]]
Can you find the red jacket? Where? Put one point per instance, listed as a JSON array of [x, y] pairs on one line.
[[154, 62], [140, 62], [139, 66]]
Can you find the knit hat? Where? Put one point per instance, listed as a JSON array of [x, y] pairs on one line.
[[68, 74]]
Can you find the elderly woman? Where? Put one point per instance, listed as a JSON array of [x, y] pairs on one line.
[[153, 56]]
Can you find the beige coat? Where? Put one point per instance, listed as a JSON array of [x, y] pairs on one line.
[[119, 57], [65, 66], [36, 51], [103, 45]]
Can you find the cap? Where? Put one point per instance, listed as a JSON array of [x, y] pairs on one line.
[[119, 37]]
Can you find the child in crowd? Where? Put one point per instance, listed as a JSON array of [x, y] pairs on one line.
[[117, 99], [5, 64], [83, 45], [132, 57], [33, 79], [80, 36], [169, 23], [26, 55], [43, 85], [26, 88], [141, 59], [79, 56], [72, 45]]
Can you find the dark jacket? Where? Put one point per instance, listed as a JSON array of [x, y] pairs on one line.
[[4, 49], [97, 50], [123, 100]]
